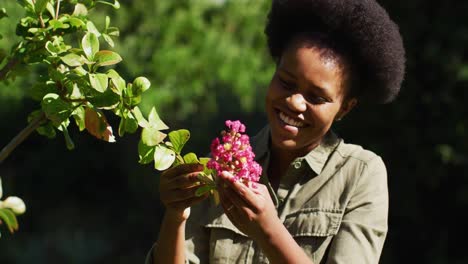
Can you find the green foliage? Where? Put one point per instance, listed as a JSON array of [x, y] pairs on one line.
[[203, 50]]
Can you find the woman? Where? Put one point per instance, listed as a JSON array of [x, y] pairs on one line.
[[320, 200]]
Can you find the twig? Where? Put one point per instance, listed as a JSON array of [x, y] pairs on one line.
[[57, 9], [18, 139]]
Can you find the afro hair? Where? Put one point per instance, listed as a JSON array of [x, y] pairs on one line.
[[360, 28]]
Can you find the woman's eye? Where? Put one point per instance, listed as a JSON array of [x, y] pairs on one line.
[[317, 100]]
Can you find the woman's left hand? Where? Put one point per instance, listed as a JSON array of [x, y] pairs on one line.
[[251, 210]]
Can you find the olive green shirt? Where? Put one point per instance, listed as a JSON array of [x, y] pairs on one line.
[[333, 201]]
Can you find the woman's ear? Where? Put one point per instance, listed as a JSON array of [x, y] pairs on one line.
[[346, 107]]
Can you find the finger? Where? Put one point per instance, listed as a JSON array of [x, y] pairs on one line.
[[243, 191], [188, 203], [183, 181], [170, 196], [182, 169]]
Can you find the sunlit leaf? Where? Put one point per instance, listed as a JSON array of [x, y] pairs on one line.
[[40, 5], [151, 136], [117, 82], [106, 58], [92, 28], [68, 141], [56, 24], [3, 13], [76, 22], [203, 190], [8, 217], [96, 124], [55, 108], [80, 10], [139, 117], [79, 115], [72, 60], [115, 5], [108, 39], [140, 84], [145, 153], [155, 121], [90, 44], [190, 158], [163, 158], [178, 139], [99, 81]]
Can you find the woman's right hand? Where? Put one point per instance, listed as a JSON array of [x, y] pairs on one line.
[[177, 187]]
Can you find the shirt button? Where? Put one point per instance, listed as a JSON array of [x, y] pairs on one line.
[[297, 165]]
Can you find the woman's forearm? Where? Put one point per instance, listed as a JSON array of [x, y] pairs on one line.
[[280, 247], [170, 246]]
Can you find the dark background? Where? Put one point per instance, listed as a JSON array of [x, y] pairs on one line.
[[96, 204]]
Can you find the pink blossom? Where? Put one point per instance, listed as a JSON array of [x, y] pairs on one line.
[[234, 154]]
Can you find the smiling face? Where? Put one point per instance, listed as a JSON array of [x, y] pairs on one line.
[[307, 93]]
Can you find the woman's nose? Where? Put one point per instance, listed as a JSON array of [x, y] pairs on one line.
[[296, 102]]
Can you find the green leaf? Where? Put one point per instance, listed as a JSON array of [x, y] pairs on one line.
[[107, 100], [99, 81], [72, 60], [39, 90], [108, 39], [203, 190], [206, 170], [178, 139], [8, 217], [107, 22], [163, 158], [191, 158], [47, 130], [56, 24], [145, 153], [3, 13], [151, 136], [106, 58], [117, 82], [68, 140], [79, 115], [50, 8], [92, 28], [140, 84], [41, 5], [131, 124], [155, 121], [76, 22], [55, 109], [139, 117], [90, 44], [122, 126], [113, 31], [115, 5], [80, 10]]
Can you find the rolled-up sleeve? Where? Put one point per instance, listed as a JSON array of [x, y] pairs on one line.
[[365, 221]]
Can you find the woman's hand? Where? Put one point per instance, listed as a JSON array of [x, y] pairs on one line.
[[251, 210], [177, 187]]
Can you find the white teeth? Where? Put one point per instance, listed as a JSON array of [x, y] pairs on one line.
[[290, 121]]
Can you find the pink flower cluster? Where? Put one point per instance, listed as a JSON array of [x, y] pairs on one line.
[[233, 153]]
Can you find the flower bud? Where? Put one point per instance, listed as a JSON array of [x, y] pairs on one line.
[[15, 204]]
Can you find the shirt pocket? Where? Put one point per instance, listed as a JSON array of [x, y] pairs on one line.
[[313, 229], [227, 243]]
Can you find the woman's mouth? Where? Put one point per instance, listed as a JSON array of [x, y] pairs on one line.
[[289, 121]]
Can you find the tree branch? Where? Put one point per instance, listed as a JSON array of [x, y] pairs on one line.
[[18, 139]]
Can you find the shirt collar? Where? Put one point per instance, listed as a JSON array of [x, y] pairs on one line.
[[316, 158]]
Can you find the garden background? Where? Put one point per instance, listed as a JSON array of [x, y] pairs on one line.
[[207, 62]]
